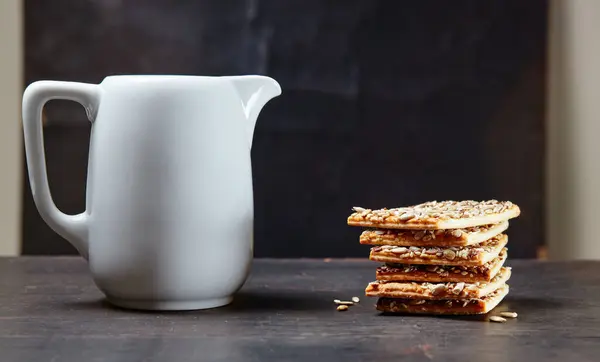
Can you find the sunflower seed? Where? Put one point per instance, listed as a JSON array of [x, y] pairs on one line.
[[463, 254], [342, 308], [449, 254], [509, 314], [438, 289], [399, 250], [497, 319], [458, 288], [406, 216]]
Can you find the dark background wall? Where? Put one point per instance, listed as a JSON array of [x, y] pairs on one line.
[[385, 103]]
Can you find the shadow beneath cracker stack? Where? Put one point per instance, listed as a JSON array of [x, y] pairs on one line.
[[527, 303], [469, 318]]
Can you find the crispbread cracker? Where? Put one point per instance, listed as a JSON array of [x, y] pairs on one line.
[[441, 273], [412, 290], [444, 307], [456, 255], [435, 215], [448, 237]]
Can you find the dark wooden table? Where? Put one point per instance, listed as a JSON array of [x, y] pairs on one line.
[[51, 311]]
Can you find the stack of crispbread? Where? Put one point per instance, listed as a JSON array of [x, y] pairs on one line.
[[439, 257]]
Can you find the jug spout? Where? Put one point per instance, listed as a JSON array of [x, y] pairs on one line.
[[254, 92]]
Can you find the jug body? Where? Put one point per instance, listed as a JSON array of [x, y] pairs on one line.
[[169, 218], [170, 192]]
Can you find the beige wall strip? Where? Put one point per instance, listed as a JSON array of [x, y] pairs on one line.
[[11, 87], [573, 131], [11, 61]]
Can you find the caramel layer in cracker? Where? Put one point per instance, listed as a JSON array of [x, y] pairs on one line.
[[442, 273], [435, 215], [444, 307], [456, 255], [448, 237], [461, 290]]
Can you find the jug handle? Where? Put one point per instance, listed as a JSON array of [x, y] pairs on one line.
[[71, 227]]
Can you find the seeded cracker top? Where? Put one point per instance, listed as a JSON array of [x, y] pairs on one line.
[[435, 215]]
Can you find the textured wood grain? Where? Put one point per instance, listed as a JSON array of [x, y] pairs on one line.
[[51, 311]]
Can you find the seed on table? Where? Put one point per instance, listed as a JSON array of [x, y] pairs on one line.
[[497, 319], [342, 308], [342, 302], [509, 314], [355, 299]]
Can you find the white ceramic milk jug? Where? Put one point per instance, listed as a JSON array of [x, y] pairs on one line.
[[169, 215]]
